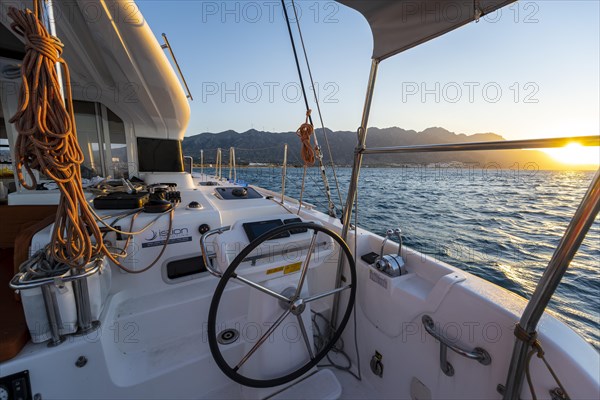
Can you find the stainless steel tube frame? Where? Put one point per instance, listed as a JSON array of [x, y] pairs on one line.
[[84, 309], [53, 315], [565, 251], [19, 282], [479, 146], [352, 189]]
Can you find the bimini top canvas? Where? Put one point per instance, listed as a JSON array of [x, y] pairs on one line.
[[399, 25]]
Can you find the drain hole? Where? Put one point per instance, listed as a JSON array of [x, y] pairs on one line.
[[228, 336]]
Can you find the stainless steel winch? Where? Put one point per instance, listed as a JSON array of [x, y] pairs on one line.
[[390, 264]]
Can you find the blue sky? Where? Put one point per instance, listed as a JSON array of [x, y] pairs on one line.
[[531, 70]]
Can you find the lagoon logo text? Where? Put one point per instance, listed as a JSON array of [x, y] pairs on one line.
[[163, 233]]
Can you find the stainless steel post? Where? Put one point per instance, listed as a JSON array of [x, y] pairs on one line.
[[347, 212], [565, 251], [284, 172], [232, 161], [202, 163], [218, 164], [82, 301], [54, 320]]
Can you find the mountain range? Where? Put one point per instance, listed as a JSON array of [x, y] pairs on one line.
[[255, 146]]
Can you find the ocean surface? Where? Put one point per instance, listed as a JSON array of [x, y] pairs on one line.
[[501, 225]]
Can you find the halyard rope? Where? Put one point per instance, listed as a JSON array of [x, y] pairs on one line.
[[331, 204], [305, 132]]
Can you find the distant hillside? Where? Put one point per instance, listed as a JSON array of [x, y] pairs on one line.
[[267, 147]]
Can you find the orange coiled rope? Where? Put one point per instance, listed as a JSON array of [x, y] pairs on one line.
[[304, 133], [47, 140]]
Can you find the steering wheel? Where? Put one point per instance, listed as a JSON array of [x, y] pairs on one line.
[[291, 302]]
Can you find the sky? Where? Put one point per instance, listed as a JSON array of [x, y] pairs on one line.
[[530, 70]]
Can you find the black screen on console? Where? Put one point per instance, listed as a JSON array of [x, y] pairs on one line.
[[255, 229], [159, 155]]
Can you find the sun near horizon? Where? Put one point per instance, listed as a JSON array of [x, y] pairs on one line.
[[575, 154]]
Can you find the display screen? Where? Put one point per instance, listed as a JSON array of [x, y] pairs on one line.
[[159, 155], [255, 229]]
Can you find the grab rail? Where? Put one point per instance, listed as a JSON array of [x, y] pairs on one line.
[[205, 257], [493, 145], [477, 354], [167, 46]]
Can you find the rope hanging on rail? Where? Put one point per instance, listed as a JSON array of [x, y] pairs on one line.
[[47, 141], [305, 132]]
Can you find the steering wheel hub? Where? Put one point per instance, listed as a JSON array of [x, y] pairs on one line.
[[297, 307]]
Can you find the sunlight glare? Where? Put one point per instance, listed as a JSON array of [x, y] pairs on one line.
[[575, 154]]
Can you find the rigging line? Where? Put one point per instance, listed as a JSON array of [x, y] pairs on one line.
[[331, 204], [314, 90], [294, 156]]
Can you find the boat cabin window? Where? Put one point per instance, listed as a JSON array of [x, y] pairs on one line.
[[88, 134], [118, 167], [101, 135]]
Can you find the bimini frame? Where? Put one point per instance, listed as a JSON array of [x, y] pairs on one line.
[[567, 248]]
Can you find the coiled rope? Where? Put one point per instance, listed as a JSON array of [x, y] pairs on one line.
[[47, 141], [305, 132]]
